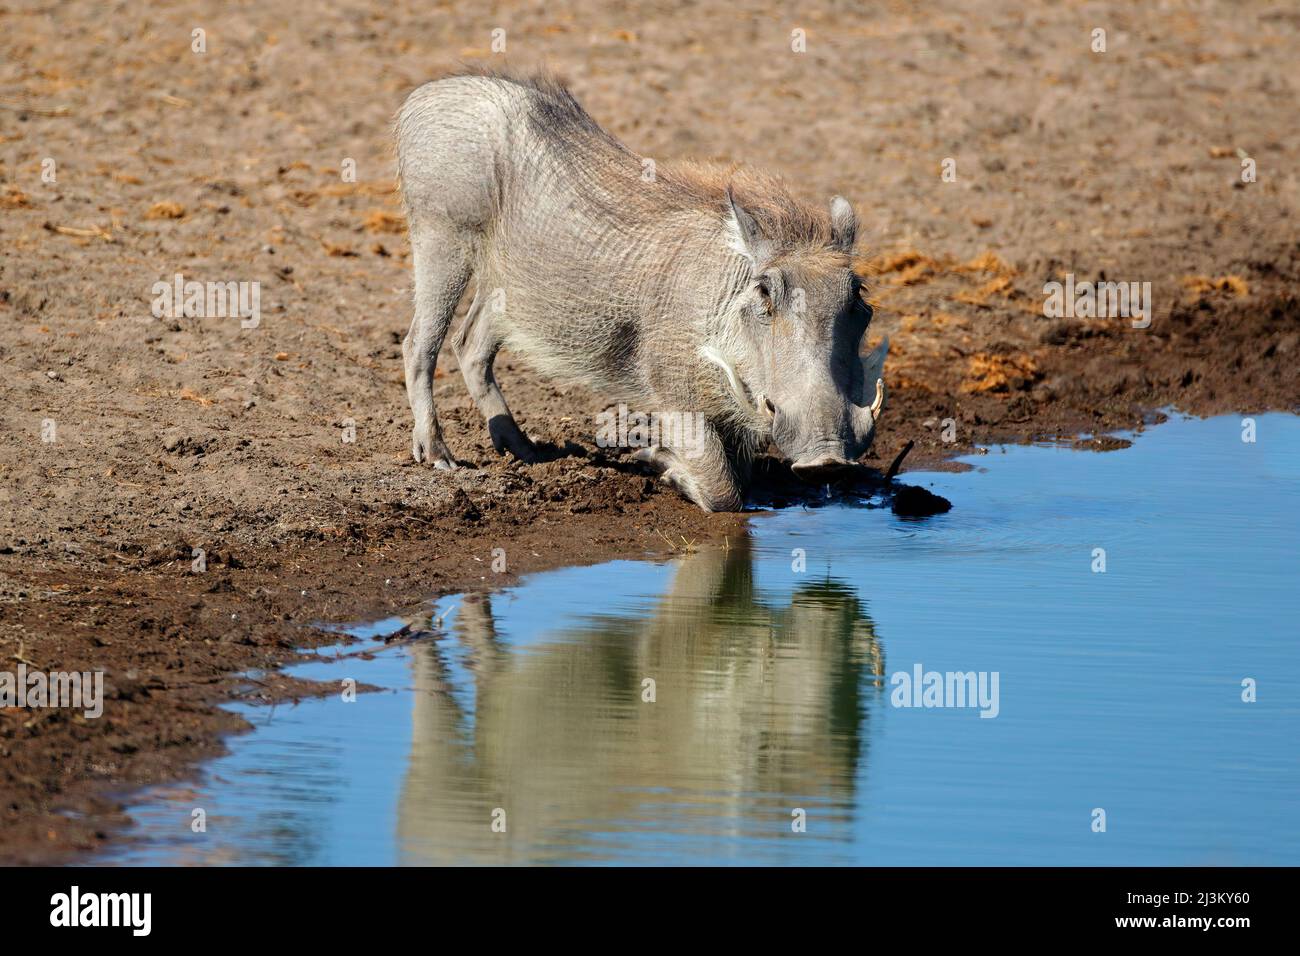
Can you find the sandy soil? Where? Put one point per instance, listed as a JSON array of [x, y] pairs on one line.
[[176, 434]]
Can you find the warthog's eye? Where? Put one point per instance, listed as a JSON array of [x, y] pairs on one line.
[[864, 296], [765, 293]]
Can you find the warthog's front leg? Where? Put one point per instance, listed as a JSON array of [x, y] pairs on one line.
[[703, 473]]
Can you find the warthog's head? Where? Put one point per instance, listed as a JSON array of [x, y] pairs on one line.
[[792, 358]]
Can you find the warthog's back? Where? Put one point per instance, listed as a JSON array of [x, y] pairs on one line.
[[593, 251]]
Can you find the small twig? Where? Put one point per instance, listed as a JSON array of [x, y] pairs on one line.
[[898, 462], [667, 539], [17, 107], [92, 233], [413, 637], [437, 621], [22, 660]]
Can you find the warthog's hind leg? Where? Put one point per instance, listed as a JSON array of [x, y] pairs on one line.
[[476, 349], [441, 272]]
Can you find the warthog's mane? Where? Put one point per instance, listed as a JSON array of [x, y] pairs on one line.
[[558, 118]]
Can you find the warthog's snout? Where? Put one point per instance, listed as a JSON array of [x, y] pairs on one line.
[[827, 420], [820, 469]]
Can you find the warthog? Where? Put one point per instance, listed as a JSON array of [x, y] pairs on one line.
[[696, 288]]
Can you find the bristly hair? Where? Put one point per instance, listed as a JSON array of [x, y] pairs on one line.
[[780, 215], [558, 117], [542, 81], [557, 113]]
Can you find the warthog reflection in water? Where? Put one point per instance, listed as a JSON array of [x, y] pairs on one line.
[[758, 710]]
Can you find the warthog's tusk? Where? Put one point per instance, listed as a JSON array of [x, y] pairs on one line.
[[733, 380], [879, 403]]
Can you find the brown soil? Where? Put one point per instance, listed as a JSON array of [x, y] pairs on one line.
[[179, 434]]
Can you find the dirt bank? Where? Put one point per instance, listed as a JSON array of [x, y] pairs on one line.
[[127, 441]]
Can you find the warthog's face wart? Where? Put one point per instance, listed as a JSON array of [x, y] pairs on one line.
[[803, 320]]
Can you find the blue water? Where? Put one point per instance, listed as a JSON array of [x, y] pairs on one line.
[[1118, 691]]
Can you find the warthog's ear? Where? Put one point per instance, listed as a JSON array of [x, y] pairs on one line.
[[745, 236], [844, 224]]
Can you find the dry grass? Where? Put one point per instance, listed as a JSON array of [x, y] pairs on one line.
[[999, 373], [1235, 286]]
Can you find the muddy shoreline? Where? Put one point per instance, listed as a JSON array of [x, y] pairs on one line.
[[131, 442]]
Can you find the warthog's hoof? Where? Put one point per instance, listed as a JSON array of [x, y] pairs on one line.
[[506, 436], [431, 451]]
